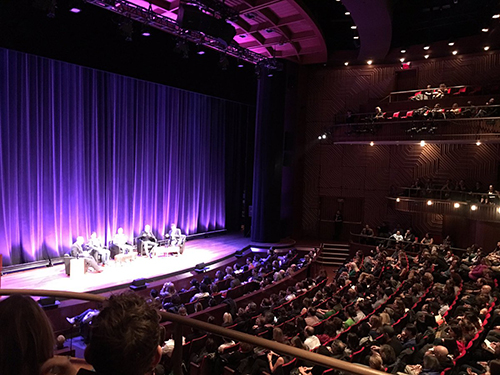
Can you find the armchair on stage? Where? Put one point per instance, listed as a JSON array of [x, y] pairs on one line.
[[171, 246]]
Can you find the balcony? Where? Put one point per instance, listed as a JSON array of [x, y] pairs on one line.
[[454, 203]]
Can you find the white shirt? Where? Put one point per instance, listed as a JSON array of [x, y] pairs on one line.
[[312, 342]]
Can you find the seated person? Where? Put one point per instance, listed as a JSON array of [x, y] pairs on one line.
[[440, 92], [120, 240], [148, 241], [96, 249], [125, 339], [379, 115], [454, 111], [397, 236], [174, 236], [78, 252]]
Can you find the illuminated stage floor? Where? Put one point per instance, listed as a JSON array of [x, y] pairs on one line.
[[196, 251]]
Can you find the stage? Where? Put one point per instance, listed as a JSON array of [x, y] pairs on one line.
[[115, 276]]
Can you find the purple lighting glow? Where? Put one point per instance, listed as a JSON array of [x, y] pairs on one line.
[[75, 10], [146, 33], [200, 52]]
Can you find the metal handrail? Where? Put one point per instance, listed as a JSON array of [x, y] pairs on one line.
[[214, 329]]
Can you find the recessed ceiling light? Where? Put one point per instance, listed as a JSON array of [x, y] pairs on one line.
[[346, 63], [455, 52], [402, 59], [496, 16], [347, 13], [200, 52], [426, 56], [427, 47], [486, 48], [75, 10], [369, 62], [451, 43], [485, 30], [356, 37], [403, 51], [354, 27]]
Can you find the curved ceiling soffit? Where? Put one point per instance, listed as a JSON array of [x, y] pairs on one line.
[[374, 24]]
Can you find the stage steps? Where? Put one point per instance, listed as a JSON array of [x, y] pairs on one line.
[[333, 254]]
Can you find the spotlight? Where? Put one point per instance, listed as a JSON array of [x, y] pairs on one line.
[[346, 63], [422, 143], [496, 16], [456, 205], [369, 62], [485, 30], [430, 203], [355, 37], [478, 143], [372, 143], [455, 52], [200, 52], [402, 59], [319, 136], [146, 31], [403, 51], [486, 48], [426, 47], [398, 200], [426, 56], [270, 75], [347, 13], [75, 10], [354, 27], [473, 207], [323, 136], [240, 64], [451, 43]]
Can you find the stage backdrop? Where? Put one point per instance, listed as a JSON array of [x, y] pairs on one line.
[[84, 150]]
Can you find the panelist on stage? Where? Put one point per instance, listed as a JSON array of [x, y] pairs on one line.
[[120, 241], [174, 236], [148, 241], [96, 248], [78, 252]]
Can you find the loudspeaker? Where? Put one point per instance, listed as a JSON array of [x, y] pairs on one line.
[[48, 303], [138, 284], [200, 267]]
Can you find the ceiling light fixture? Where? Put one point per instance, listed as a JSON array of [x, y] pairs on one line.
[[486, 48], [369, 62], [426, 56], [496, 16], [456, 205], [478, 143], [473, 207], [422, 143], [430, 203], [403, 51], [455, 52], [347, 13], [75, 10], [372, 143], [426, 47], [398, 200], [451, 43], [356, 37], [346, 63], [485, 30], [354, 27], [402, 59]]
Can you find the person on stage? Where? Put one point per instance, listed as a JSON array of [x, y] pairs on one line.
[[149, 241], [78, 252], [96, 248], [120, 240], [174, 236]]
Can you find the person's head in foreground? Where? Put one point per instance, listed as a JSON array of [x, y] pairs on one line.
[[124, 339], [26, 336]]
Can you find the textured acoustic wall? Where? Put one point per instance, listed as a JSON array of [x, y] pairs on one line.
[[369, 172]]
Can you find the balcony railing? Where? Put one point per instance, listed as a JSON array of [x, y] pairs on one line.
[[475, 206], [348, 368], [466, 130]]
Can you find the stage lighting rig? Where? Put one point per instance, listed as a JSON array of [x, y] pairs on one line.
[[215, 8], [163, 23]]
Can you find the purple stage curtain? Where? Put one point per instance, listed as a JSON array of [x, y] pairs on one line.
[[84, 150]]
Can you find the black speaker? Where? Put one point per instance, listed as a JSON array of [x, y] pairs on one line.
[[138, 284], [200, 268], [48, 303]]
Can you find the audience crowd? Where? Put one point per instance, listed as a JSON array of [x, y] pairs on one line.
[[428, 311]]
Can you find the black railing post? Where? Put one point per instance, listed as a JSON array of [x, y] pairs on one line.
[[177, 353]]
